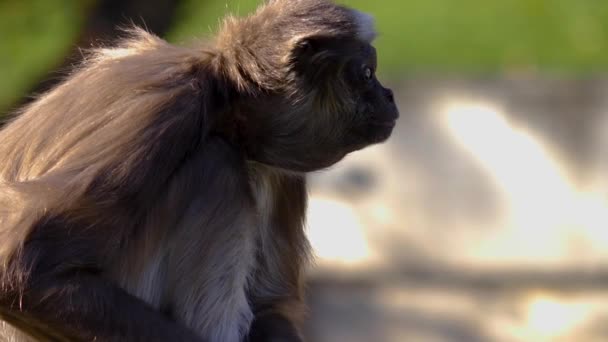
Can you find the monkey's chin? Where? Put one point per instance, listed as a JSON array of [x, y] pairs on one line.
[[370, 134], [381, 131]]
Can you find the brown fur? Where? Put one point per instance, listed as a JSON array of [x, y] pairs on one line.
[[158, 192]]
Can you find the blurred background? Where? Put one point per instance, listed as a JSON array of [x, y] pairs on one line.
[[485, 216]]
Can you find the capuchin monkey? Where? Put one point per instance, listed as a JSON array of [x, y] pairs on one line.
[[158, 193]]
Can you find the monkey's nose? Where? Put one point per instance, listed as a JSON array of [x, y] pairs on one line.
[[389, 95]]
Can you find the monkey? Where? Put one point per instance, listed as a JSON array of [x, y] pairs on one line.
[[158, 193]]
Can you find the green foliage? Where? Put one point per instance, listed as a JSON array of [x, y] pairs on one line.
[[493, 36], [35, 36]]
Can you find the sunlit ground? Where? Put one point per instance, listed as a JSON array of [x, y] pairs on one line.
[[420, 268], [330, 221], [545, 212]]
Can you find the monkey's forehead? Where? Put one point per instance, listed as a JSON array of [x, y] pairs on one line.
[[366, 29], [369, 54]]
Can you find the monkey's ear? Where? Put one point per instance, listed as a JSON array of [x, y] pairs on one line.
[[315, 50], [305, 46]]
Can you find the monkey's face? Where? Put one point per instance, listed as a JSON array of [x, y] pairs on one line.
[[350, 109], [373, 113], [335, 106]]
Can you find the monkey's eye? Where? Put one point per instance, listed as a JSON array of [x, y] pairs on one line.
[[368, 73]]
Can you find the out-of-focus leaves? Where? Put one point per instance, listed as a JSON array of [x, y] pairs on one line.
[[491, 36], [35, 36]]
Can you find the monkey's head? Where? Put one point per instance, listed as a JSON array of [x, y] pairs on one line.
[[304, 75]]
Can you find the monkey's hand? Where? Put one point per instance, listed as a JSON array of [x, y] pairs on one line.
[[86, 308], [273, 327]]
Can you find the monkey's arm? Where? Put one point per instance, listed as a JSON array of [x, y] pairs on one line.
[[56, 286], [84, 307], [56, 290]]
